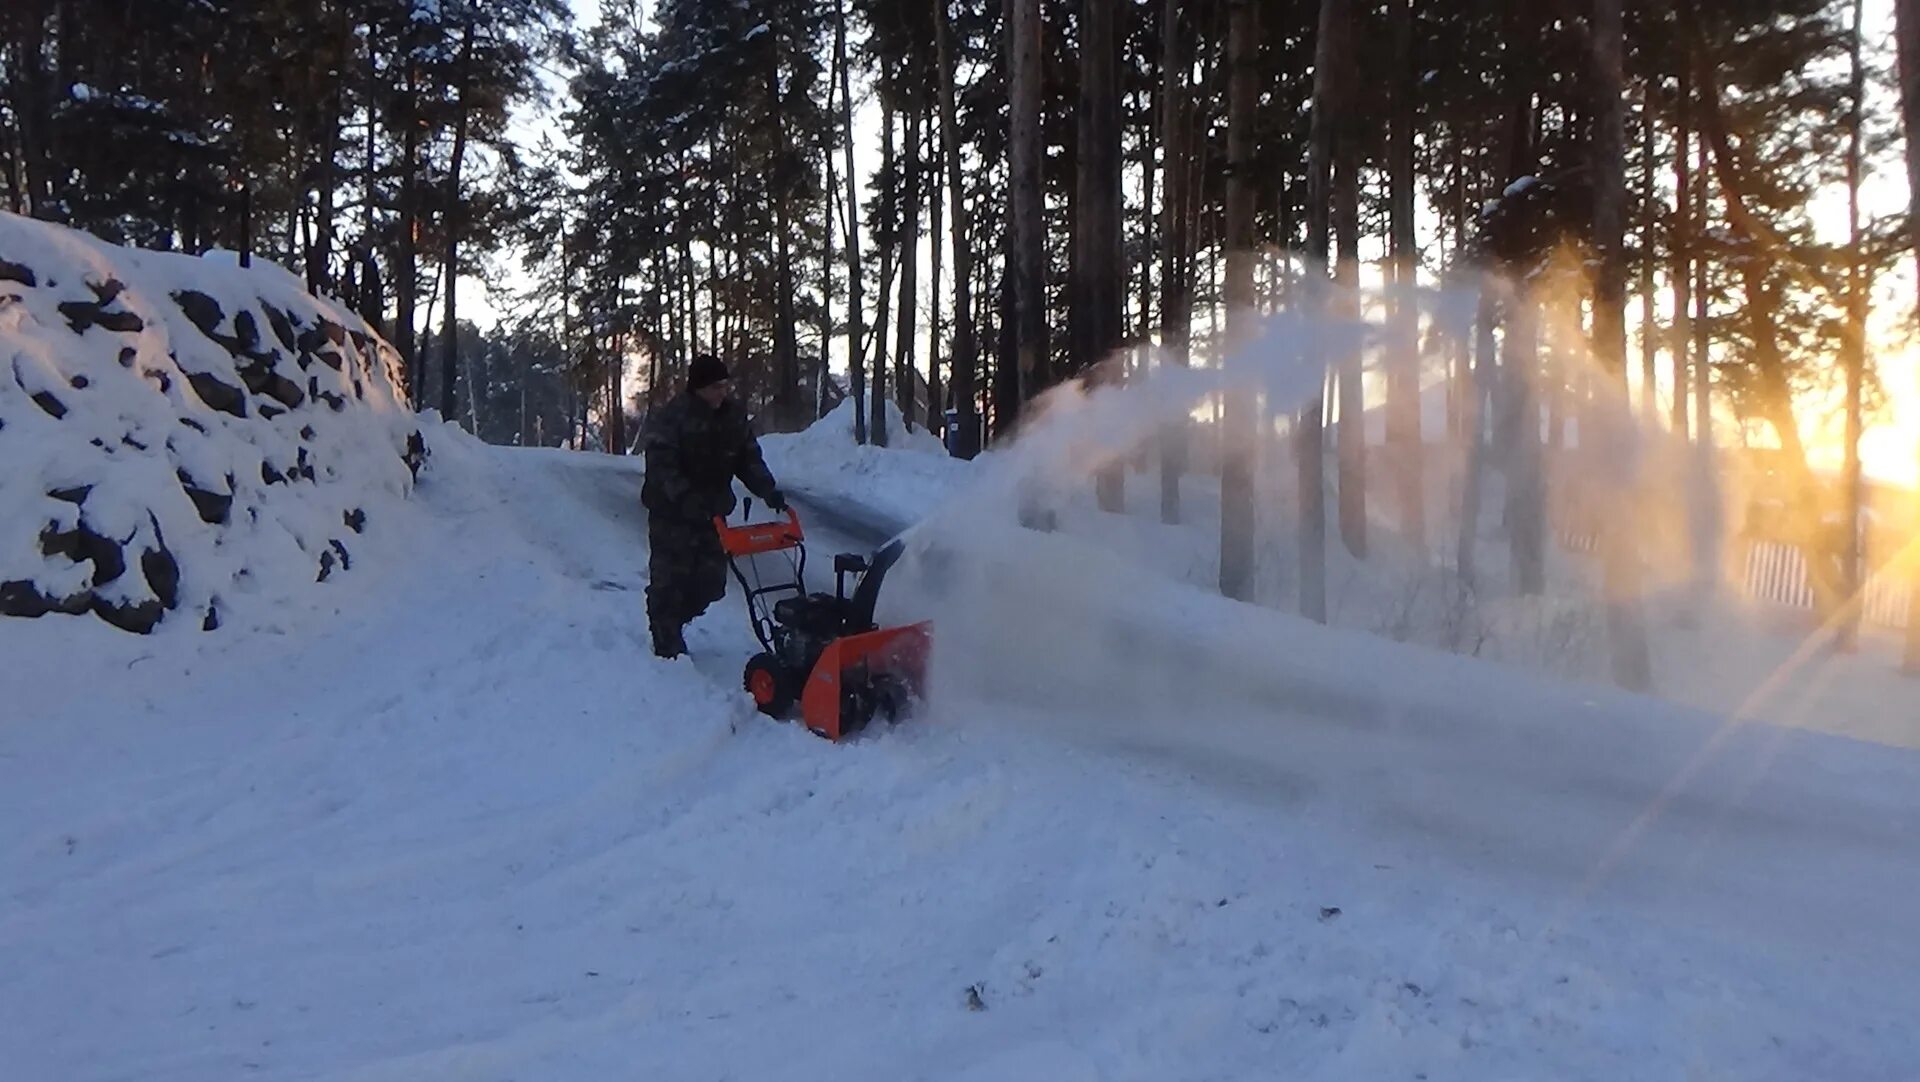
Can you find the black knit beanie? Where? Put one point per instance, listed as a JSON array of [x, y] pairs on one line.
[[705, 371]]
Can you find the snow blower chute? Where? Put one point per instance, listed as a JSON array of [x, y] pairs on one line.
[[823, 651]]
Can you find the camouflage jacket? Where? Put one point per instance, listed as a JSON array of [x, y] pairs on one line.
[[693, 454]]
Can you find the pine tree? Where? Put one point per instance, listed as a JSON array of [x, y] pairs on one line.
[[1176, 261], [1098, 265], [1907, 40], [1026, 210], [966, 442], [856, 292], [1331, 68], [1680, 240], [1237, 519], [1626, 633], [1853, 357], [1403, 377]]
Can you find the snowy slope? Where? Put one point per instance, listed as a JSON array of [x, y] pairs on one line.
[[182, 435], [1156, 835]]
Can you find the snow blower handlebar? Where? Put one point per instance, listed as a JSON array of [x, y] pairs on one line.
[[752, 539], [755, 538]]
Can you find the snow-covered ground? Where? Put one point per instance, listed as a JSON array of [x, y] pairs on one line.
[[449, 819]]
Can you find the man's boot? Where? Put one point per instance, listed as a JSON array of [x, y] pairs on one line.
[[667, 641]]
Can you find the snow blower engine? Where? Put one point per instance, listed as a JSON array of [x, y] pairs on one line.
[[822, 651]]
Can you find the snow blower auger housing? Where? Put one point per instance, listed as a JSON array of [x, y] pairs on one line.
[[823, 652]]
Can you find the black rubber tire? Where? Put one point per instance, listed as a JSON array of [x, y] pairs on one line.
[[772, 687]]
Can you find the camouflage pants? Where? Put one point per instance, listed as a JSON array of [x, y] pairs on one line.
[[686, 570]]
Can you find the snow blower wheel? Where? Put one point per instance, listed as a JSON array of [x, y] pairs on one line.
[[771, 685], [823, 651]]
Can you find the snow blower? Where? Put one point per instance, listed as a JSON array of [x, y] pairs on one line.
[[823, 652]]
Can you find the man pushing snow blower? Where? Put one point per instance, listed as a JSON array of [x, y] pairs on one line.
[[695, 446]]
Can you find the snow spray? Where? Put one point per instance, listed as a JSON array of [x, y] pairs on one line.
[[1045, 615], [1056, 616]]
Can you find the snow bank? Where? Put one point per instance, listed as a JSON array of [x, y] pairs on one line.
[[181, 433], [901, 482]]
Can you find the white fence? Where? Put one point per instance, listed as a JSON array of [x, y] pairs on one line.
[[1777, 573]]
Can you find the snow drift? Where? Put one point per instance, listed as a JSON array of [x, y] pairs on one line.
[[897, 483], [180, 431]]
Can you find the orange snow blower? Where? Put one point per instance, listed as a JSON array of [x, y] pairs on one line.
[[823, 651]]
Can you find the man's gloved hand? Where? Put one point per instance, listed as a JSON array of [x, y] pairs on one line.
[[777, 502]]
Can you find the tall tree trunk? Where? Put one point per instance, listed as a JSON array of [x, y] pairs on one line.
[[1556, 391], [1907, 36], [656, 344], [1459, 346], [1515, 402], [372, 299], [1352, 432], [937, 235], [570, 354], [909, 239], [61, 151], [690, 272], [1475, 407], [1403, 377], [616, 409], [1854, 359], [1147, 178], [1098, 265], [1703, 520], [1332, 54], [450, 338], [1620, 560], [1027, 210], [320, 254], [370, 165], [406, 271], [1520, 369], [824, 375], [28, 84], [1649, 322], [1003, 387], [967, 443], [1240, 423], [1682, 254], [10, 157], [1176, 265], [786, 334], [886, 237], [669, 272]]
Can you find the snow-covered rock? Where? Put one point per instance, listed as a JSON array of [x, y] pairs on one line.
[[178, 431]]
